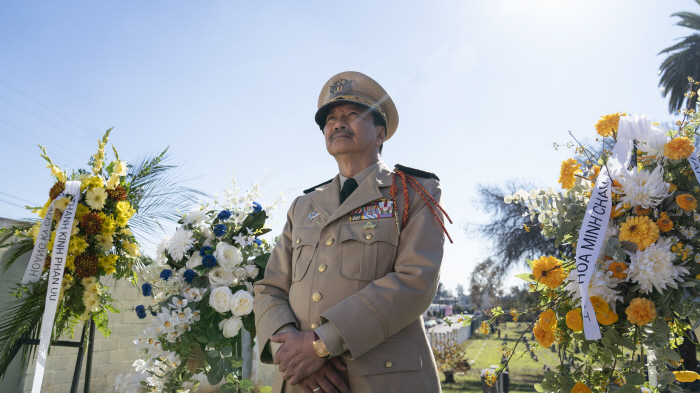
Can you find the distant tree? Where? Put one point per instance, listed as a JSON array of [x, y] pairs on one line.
[[511, 242], [485, 280], [460, 289], [457, 309], [683, 61], [441, 290]]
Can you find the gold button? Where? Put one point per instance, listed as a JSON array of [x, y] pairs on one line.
[[322, 268], [314, 326], [388, 364], [298, 241], [329, 241], [345, 346], [316, 296], [368, 236]]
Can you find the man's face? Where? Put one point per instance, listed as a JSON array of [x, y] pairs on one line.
[[350, 129]]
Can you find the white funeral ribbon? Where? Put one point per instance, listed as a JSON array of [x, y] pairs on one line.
[[595, 221], [55, 276]]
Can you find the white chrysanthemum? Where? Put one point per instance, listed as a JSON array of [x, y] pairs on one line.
[[196, 217], [653, 268], [602, 284], [181, 241], [654, 145], [642, 188], [161, 257], [688, 232]]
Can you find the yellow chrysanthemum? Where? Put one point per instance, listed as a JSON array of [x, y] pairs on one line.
[[580, 387], [77, 245], [569, 168], [574, 320], [686, 376], [679, 148], [80, 211], [108, 263], [109, 225], [618, 269], [132, 248], [548, 271], [543, 336], [124, 213], [641, 311], [90, 182], [665, 224], [548, 319], [70, 259], [639, 230], [687, 202], [607, 125], [105, 242]]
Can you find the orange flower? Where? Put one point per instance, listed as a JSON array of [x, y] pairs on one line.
[[641, 311], [639, 230], [599, 304], [543, 336], [686, 376], [679, 148], [580, 387], [665, 224], [640, 211], [672, 187], [618, 269], [596, 172], [687, 202], [617, 211], [606, 318], [569, 168], [574, 320], [548, 319], [548, 271], [607, 125]]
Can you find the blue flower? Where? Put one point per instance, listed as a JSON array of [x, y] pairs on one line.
[[155, 314], [189, 275], [147, 289], [256, 207], [140, 308], [209, 261], [257, 241], [141, 315], [203, 250], [165, 274], [224, 215], [220, 230]]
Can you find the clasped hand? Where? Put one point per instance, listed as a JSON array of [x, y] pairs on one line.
[[298, 362]]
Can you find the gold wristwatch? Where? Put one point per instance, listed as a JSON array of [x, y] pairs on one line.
[[320, 347]]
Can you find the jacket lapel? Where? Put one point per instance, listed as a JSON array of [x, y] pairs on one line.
[[327, 200]]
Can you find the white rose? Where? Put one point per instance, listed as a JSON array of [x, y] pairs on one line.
[[230, 327], [249, 287], [228, 256], [251, 271], [209, 234], [220, 299], [220, 276], [194, 261], [241, 303], [240, 273]]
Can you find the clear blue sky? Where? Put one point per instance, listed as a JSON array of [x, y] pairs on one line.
[[483, 88]]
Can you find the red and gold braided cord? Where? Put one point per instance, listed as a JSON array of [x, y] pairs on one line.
[[418, 188]]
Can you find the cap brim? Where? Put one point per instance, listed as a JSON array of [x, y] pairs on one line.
[[322, 112]]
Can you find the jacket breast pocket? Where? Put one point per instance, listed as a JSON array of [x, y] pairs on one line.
[[304, 242], [368, 253]]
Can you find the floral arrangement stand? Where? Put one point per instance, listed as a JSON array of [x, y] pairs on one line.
[[25, 340]]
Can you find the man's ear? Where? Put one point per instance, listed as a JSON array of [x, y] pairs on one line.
[[381, 135]]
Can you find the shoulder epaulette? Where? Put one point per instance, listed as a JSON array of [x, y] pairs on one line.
[[416, 172], [312, 189]]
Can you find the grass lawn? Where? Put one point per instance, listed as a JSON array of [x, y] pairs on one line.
[[484, 352]]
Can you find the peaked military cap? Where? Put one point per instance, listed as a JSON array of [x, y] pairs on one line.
[[352, 87]]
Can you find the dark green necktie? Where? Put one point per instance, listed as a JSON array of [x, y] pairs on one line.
[[349, 186]]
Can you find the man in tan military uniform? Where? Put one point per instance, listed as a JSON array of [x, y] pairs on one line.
[[346, 285]]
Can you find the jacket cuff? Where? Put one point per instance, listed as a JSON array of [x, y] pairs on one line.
[[331, 339], [270, 322], [357, 324]]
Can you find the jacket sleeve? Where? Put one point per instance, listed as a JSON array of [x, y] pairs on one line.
[[271, 303], [387, 305]]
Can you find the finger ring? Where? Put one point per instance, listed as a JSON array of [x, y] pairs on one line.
[[317, 389]]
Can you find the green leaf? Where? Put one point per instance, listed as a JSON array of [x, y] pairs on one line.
[[226, 351], [231, 378], [235, 362], [526, 276], [246, 384], [261, 260], [216, 372], [228, 388], [538, 387], [627, 388]]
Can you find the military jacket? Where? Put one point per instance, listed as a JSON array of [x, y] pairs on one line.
[[350, 269]]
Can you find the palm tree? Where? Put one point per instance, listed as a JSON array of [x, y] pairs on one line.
[[682, 62]]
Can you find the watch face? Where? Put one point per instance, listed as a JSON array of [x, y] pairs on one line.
[[320, 348]]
